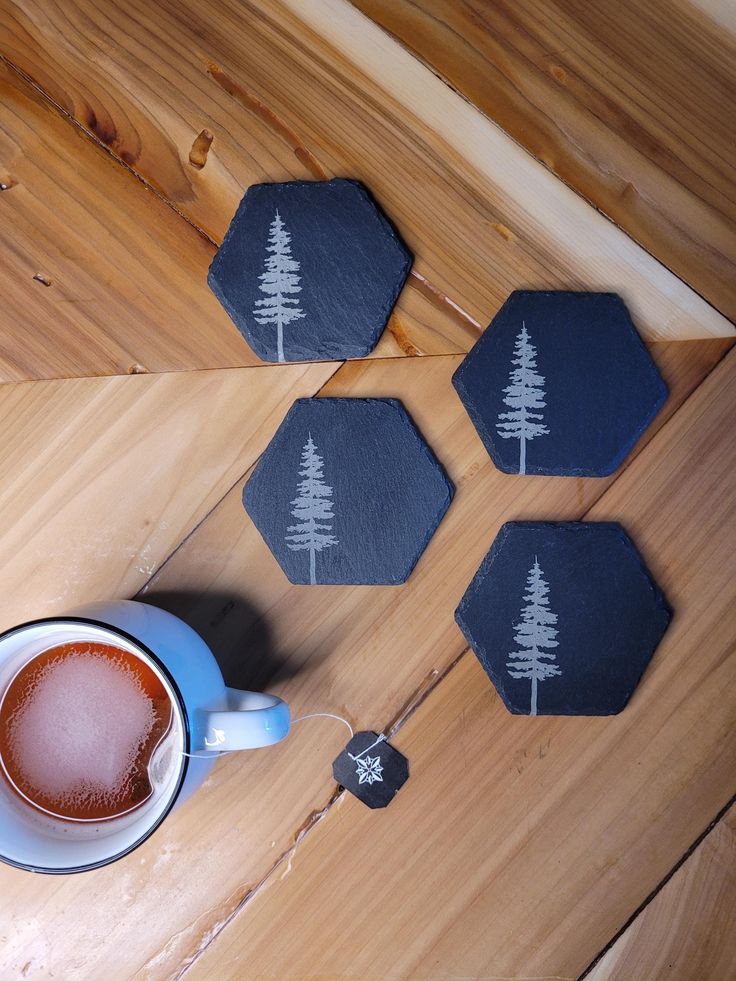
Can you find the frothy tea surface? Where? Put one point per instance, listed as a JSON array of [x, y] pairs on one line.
[[78, 726]]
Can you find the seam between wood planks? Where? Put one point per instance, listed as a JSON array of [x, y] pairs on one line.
[[339, 365], [333, 20], [416, 280], [179, 545], [466, 42], [410, 706], [660, 885], [94, 138], [400, 718], [237, 91], [310, 20], [420, 694]]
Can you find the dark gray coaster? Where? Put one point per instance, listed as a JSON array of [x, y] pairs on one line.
[[560, 384], [371, 769], [347, 492], [309, 270], [564, 617]]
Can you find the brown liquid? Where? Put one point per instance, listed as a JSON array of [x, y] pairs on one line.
[[78, 726]]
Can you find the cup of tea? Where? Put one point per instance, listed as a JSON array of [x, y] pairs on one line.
[[110, 717]]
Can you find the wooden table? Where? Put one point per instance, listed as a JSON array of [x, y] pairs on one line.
[[533, 143]]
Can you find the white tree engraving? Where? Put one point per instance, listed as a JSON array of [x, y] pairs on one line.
[[524, 394], [312, 509], [278, 282], [536, 634]]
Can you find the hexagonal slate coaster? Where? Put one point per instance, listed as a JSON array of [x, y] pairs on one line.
[[560, 384], [371, 769], [347, 492], [564, 617], [309, 270]]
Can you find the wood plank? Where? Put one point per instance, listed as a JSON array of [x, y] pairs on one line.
[[519, 847], [624, 102], [687, 930], [101, 478], [364, 652], [291, 89], [98, 275]]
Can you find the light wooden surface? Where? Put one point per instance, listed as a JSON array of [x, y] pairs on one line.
[[313, 89], [102, 478], [523, 844], [125, 279], [627, 104], [519, 847], [682, 931]]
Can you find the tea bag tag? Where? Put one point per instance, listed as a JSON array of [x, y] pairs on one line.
[[371, 769]]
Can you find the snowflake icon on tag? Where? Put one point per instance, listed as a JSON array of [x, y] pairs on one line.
[[369, 769]]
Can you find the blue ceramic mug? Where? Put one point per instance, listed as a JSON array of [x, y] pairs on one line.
[[208, 718]]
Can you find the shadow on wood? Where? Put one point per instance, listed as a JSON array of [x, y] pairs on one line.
[[237, 633]]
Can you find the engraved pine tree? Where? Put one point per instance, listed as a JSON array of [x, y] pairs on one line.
[[312, 509], [535, 634], [279, 282], [524, 395]]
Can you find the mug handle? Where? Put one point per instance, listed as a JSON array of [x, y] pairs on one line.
[[253, 719]]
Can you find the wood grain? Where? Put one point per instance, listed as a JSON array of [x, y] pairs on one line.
[[101, 277], [364, 652], [291, 89], [687, 931], [101, 478], [519, 846], [623, 101], [98, 275]]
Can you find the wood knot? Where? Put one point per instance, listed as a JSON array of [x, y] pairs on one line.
[[401, 336], [200, 149], [558, 73], [105, 132], [503, 231]]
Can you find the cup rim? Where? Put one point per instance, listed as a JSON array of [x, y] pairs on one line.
[[90, 621]]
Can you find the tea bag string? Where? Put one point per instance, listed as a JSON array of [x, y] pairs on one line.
[[330, 715], [208, 754], [325, 715]]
